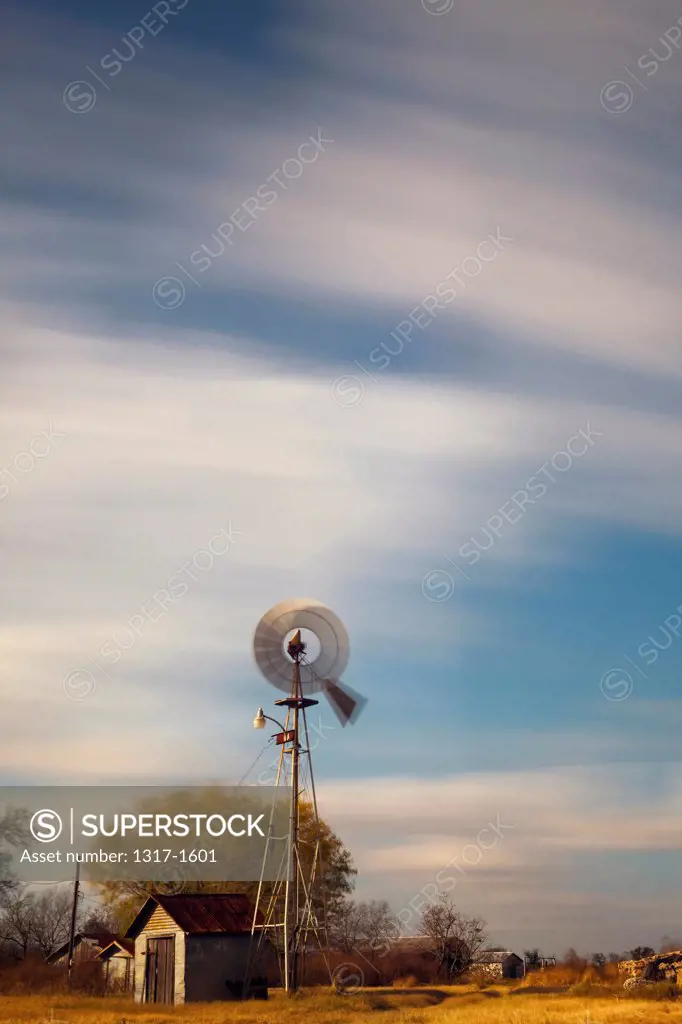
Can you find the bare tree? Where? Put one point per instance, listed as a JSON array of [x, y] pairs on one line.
[[641, 952], [346, 926], [31, 922], [598, 961], [13, 833], [574, 960], [16, 928], [101, 919], [533, 959], [378, 925], [357, 924], [51, 918], [457, 940]]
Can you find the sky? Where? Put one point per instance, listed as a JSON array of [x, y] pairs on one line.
[[375, 303]]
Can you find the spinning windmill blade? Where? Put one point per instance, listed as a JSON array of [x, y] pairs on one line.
[[323, 673]]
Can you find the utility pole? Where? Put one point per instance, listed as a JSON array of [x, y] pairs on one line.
[[72, 930]]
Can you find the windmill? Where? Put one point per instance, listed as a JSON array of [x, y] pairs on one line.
[[287, 914]]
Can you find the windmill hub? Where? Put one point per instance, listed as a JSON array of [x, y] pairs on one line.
[[302, 645]]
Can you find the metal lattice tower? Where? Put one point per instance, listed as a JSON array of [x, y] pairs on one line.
[[289, 913]]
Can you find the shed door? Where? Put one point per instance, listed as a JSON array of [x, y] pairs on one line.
[[160, 970], [512, 969]]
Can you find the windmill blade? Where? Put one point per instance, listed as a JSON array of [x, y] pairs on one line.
[[300, 613], [269, 654], [323, 674], [345, 702]]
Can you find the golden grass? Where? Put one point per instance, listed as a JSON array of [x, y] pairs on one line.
[[425, 1005]]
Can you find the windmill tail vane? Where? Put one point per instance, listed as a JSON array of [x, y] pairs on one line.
[[345, 702]]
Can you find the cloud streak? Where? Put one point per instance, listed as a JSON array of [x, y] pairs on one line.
[[219, 407]]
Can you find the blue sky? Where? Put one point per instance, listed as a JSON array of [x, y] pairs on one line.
[[248, 406]]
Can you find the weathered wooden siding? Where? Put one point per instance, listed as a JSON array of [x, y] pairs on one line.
[[84, 951], [159, 924], [138, 983], [119, 971]]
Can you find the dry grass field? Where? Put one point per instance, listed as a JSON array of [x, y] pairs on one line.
[[426, 1005]]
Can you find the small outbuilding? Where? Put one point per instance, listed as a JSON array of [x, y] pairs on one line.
[[191, 947], [118, 959], [500, 963], [86, 947]]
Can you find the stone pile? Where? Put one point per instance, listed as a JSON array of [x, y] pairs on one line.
[[660, 967]]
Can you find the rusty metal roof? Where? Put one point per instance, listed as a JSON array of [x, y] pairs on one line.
[[100, 939], [118, 945], [199, 914]]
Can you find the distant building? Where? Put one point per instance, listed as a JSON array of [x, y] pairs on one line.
[[191, 948], [499, 963], [413, 950], [86, 946], [413, 954], [118, 959], [420, 944]]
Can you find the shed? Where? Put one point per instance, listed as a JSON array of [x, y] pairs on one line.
[[86, 946], [191, 947], [118, 959], [499, 963]]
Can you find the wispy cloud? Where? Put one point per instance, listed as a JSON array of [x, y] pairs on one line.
[[178, 421]]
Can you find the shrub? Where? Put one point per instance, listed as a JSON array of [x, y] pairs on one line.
[[480, 981], [25, 977], [658, 990]]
